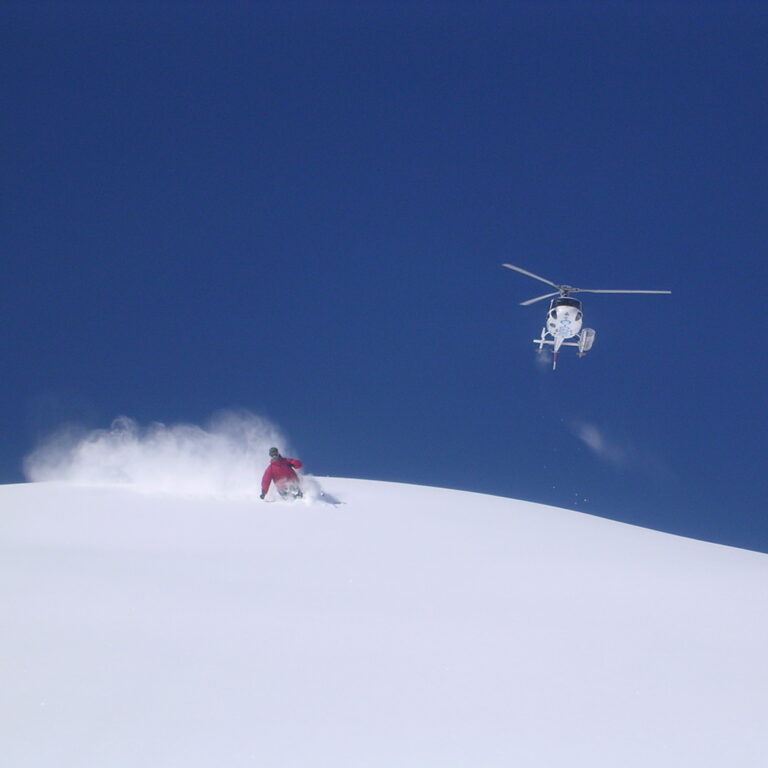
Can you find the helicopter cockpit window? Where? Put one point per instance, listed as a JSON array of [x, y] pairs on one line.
[[565, 301]]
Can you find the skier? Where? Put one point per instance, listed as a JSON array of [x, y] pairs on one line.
[[281, 472]]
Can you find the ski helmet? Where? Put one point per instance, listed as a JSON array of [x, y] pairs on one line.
[[274, 452]]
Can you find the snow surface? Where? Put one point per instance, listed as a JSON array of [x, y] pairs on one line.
[[405, 626]]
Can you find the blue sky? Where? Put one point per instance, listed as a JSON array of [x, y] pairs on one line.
[[301, 209]]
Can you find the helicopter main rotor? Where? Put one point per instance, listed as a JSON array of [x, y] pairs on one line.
[[565, 290]]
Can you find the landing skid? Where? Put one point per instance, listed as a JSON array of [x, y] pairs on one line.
[[586, 339]]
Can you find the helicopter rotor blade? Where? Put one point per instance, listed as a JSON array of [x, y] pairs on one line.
[[538, 298], [530, 274], [606, 290]]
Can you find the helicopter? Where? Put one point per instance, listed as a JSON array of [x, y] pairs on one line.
[[564, 317]]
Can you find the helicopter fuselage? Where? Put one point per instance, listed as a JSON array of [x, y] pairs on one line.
[[564, 319]]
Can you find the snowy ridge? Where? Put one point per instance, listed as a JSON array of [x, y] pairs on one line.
[[405, 626]]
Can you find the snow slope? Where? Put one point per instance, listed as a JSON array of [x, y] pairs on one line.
[[407, 626]]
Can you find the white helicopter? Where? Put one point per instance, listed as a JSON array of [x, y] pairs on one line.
[[564, 317]]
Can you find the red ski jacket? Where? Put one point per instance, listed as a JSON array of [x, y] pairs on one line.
[[280, 470]]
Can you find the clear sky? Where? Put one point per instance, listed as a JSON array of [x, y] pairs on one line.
[[300, 209]]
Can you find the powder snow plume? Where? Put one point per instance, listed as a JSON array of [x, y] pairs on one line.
[[225, 458], [597, 442]]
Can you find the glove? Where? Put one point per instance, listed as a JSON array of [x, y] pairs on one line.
[[261, 496]]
